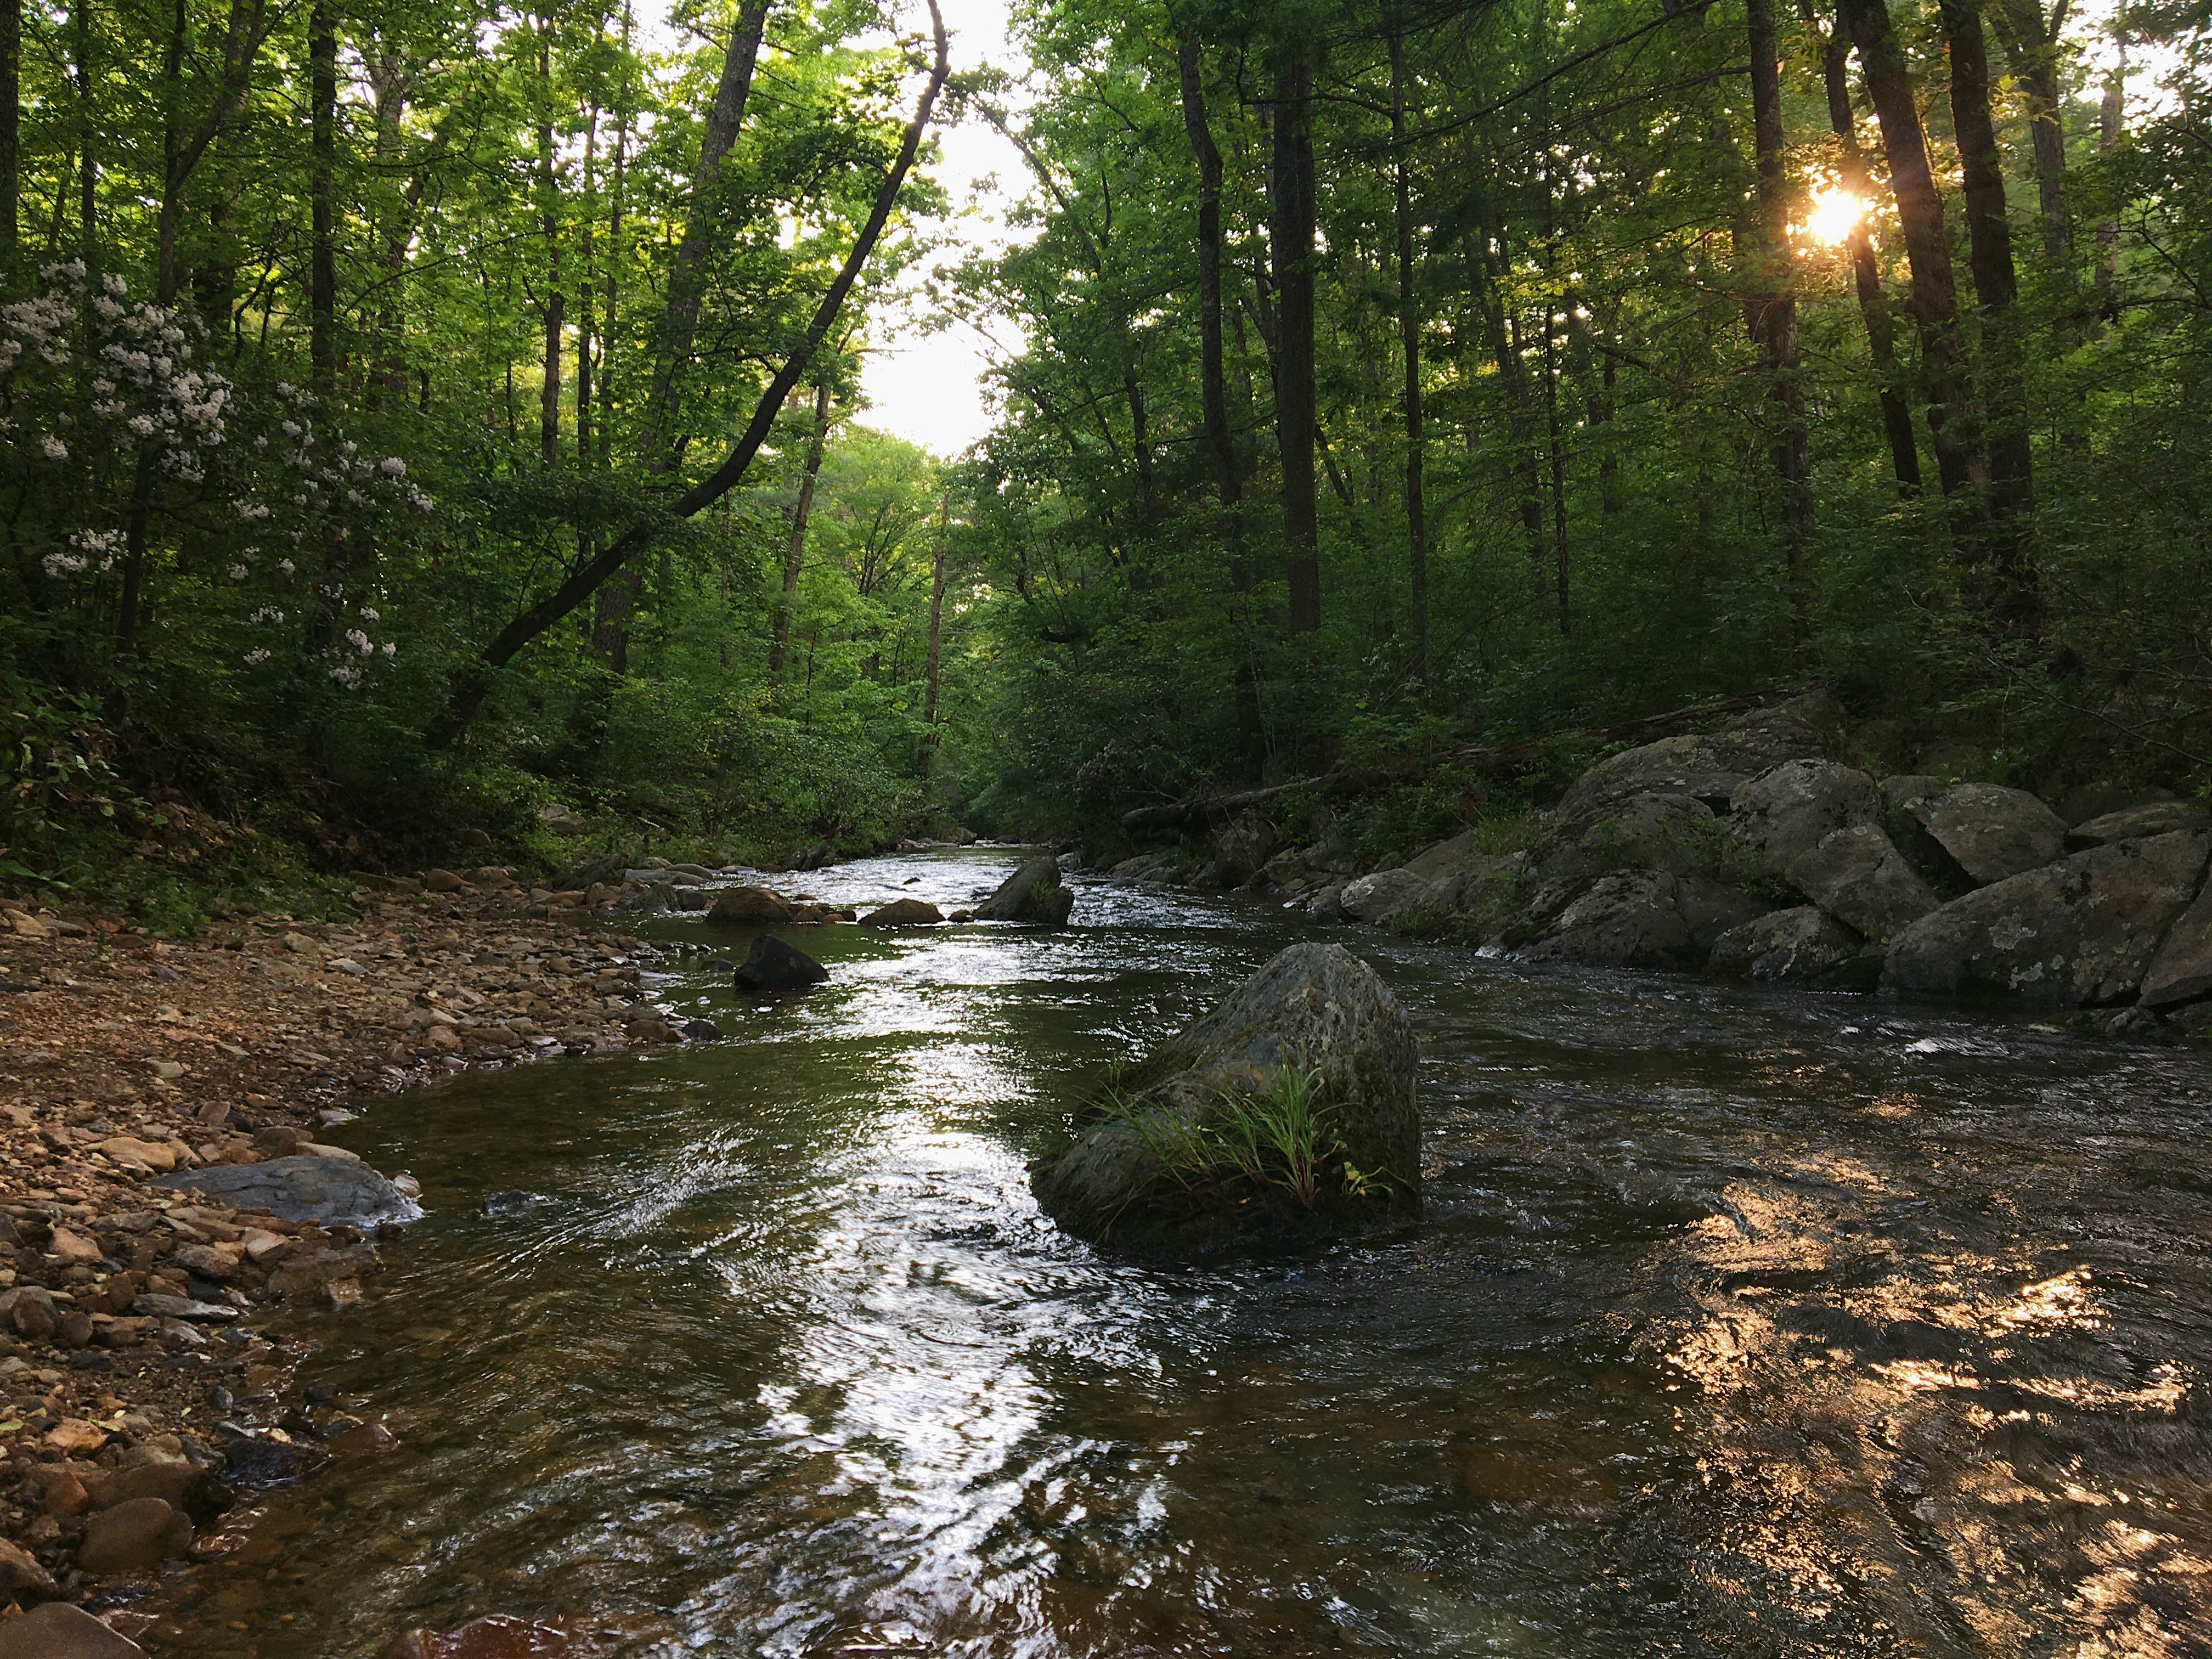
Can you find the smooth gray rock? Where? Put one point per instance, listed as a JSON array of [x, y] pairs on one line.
[[1372, 898], [2084, 930], [1708, 764], [1444, 856], [1991, 832], [1805, 945], [1857, 877], [749, 907], [301, 1188], [2133, 823], [2182, 969], [1654, 831], [60, 1630], [1313, 1007], [1631, 919], [1479, 896], [775, 964], [1789, 810], [1243, 849], [1033, 893]]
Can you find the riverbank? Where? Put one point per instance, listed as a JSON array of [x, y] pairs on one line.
[[140, 1393]]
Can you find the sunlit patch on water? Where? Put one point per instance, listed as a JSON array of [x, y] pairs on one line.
[[1742, 1323]]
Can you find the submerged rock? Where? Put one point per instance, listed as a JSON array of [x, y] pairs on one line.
[[1313, 1009], [2084, 930], [1033, 893], [775, 964], [61, 1631]]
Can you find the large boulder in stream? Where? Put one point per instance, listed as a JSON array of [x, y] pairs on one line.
[[2088, 929], [749, 906], [1033, 893], [1789, 810], [1990, 832], [1858, 876], [1629, 919], [1155, 1165], [775, 964], [905, 912]]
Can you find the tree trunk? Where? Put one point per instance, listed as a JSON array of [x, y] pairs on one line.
[[794, 551], [584, 282], [1866, 274], [1409, 340], [2111, 127], [1775, 305], [549, 209], [929, 740], [1213, 379], [2031, 46], [88, 125], [1292, 190], [664, 439], [1558, 475], [322, 194], [1988, 242], [11, 116], [1949, 390]]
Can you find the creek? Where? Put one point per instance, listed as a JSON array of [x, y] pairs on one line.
[[1741, 1322]]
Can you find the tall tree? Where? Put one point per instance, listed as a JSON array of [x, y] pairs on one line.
[[1774, 306], [1292, 190], [1409, 347], [322, 195], [1948, 386]]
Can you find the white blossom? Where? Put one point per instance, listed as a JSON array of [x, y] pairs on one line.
[[392, 467], [286, 566], [53, 448], [257, 655], [368, 613], [388, 647], [238, 573], [359, 641]]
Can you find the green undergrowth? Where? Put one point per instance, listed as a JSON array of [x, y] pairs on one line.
[[1284, 1142]]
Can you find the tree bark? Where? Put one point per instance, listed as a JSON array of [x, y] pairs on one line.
[[2031, 44], [549, 211], [474, 683], [1774, 322], [1212, 378], [794, 552], [588, 271], [1948, 388], [929, 740], [11, 116], [88, 125], [1409, 342], [1291, 192], [322, 196], [1997, 285], [2111, 127], [664, 439], [1866, 274]]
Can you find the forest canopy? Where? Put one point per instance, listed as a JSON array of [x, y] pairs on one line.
[[427, 415]]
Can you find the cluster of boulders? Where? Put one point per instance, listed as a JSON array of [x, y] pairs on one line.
[[1749, 850]]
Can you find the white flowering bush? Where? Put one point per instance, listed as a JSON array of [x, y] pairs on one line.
[[246, 500]]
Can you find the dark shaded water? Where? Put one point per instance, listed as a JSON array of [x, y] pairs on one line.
[[1739, 1324]]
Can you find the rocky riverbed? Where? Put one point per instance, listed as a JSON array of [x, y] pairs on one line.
[[142, 1396]]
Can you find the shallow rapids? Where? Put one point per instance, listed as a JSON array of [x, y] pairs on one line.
[[1741, 1323]]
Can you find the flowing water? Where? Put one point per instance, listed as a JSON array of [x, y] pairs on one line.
[[1740, 1323]]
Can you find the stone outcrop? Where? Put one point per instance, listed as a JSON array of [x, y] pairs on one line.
[[1631, 918], [1657, 832], [2083, 930], [1859, 878], [1787, 810], [1709, 765], [1313, 1009], [1990, 832]]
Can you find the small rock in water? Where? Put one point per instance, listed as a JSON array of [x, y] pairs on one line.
[[700, 1030], [253, 1465], [511, 1202], [775, 964], [132, 1537], [499, 1637]]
